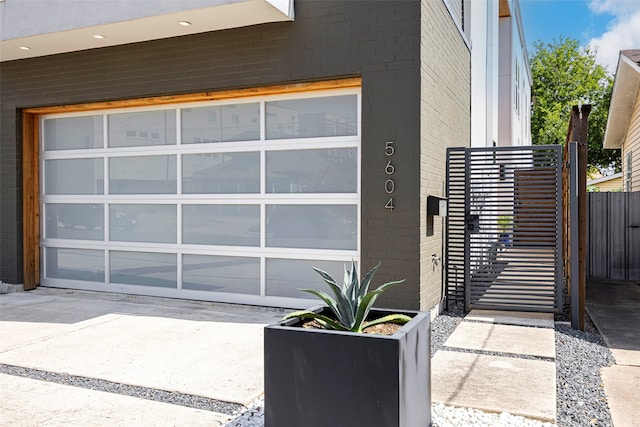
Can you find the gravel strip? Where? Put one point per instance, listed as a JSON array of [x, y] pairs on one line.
[[174, 398], [580, 395]]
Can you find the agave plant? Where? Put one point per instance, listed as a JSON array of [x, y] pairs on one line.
[[352, 302]]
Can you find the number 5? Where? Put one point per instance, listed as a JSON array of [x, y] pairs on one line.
[[389, 150]]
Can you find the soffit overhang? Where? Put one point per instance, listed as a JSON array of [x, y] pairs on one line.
[[69, 35]]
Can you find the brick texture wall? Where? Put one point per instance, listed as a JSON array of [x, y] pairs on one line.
[[377, 40], [445, 111]]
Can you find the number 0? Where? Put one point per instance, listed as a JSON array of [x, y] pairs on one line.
[[389, 186]]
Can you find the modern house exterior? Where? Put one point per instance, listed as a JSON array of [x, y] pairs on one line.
[[623, 124], [221, 165], [500, 75], [216, 149]]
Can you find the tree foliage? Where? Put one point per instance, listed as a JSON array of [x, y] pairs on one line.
[[566, 74]]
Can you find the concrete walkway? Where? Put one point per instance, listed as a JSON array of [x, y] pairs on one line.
[[490, 356], [212, 351], [614, 307]]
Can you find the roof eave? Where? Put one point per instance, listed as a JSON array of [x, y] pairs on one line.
[[625, 92]]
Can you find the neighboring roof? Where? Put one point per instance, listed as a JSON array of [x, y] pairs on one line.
[[625, 92], [604, 179]]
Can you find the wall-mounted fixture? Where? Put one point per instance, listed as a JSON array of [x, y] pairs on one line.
[[436, 206]]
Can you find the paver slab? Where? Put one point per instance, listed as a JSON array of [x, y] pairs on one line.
[[49, 404], [215, 352], [503, 338], [622, 388], [613, 307], [542, 320], [523, 387]]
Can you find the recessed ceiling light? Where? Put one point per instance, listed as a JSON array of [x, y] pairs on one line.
[[184, 23], [25, 48], [98, 36]]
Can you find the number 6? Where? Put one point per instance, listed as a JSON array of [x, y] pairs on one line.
[[390, 169]]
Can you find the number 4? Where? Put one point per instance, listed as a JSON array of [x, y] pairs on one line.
[[389, 204]]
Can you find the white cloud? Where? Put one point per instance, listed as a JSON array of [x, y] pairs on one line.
[[623, 33], [614, 7]]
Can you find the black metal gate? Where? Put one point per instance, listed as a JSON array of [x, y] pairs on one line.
[[503, 229]]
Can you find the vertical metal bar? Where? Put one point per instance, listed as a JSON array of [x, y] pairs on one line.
[[573, 234], [446, 234], [559, 228], [467, 235]]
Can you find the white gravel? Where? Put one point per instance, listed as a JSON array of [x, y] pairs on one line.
[[442, 416], [580, 395], [581, 399]]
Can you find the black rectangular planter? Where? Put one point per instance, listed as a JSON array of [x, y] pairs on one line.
[[325, 378]]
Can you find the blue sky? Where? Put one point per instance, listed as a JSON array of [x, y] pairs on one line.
[[608, 25]]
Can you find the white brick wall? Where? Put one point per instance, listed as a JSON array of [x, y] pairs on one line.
[[445, 122]]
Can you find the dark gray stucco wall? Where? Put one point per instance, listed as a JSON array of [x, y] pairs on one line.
[[377, 40]]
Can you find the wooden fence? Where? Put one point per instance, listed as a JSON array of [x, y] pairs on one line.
[[614, 236]]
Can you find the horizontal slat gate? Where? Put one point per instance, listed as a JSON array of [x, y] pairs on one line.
[[454, 260], [506, 216]]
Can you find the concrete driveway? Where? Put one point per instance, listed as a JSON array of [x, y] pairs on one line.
[[614, 307], [75, 357]]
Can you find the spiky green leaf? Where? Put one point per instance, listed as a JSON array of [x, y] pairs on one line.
[[391, 318], [327, 300], [364, 287], [369, 299], [323, 320], [345, 311]]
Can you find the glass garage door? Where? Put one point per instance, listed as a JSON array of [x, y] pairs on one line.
[[228, 201]]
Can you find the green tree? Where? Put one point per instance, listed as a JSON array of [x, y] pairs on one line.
[[566, 74]]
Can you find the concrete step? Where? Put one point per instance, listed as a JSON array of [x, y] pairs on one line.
[[541, 320], [495, 384], [508, 339]]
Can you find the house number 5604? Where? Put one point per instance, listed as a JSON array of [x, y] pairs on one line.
[[389, 185]]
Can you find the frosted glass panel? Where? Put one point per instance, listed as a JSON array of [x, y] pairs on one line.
[[313, 227], [143, 175], [285, 276], [236, 225], [74, 133], [144, 268], [74, 221], [75, 264], [142, 128], [221, 274], [221, 173], [240, 122], [143, 223], [74, 176], [312, 171], [312, 117]]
